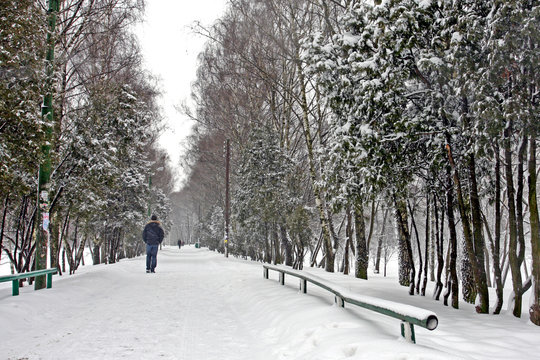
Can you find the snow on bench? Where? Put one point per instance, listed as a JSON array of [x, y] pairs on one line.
[[409, 315]]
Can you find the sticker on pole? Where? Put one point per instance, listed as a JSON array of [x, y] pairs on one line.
[[46, 221], [43, 201]]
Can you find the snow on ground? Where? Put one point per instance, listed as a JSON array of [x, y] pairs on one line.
[[200, 305]]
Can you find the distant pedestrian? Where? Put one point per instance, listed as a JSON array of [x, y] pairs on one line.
[[152, 237], [179, 244]]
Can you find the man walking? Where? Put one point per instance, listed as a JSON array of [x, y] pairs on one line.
[[152, 236]]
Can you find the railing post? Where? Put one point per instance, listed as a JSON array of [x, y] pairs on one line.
[[339, 301], [15, 288], [303, 286], [407, 331], [49, 280], [265, 272], [282, 278]]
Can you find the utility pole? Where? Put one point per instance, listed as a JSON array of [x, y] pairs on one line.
[[188, 229], [149, 196], [227, 200], [42, 215]]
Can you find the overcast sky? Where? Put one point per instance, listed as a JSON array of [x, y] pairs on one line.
[[170, 49]]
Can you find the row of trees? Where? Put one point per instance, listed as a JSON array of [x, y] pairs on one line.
[[99, 135], [345, 115]]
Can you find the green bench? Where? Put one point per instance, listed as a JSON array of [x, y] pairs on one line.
[[31, 274], [409, 315]]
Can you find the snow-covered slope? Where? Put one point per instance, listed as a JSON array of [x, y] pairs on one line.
[[200, 305]]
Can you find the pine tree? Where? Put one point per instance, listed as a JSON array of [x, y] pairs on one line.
[[512, 38], [22, 39], [263, 194]]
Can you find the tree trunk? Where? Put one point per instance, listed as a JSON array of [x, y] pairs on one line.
[[361, 258], [267, 245], [371, 224], [79, 256], [439, 244], [61, 239], [534, 310], [317, 191], [454, 284], [469, 241], [432, 245], [419, 249], [426, 250], [447, 282], [315, 252], [379, 243], [275, 243], [467, 277], [496, 265], [63, 260], [406, 263], [96, 258], [522, 154], [4, 214], [348, 241], [488, 267], [478, 262], [105, 245], [287, 246], [54, 238], [71, 249], [298, 263], [331, 228], [512, 223]]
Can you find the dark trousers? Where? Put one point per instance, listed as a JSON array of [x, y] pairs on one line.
[[151, 257]]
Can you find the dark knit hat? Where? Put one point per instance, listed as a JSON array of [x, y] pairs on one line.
[[154, 217]]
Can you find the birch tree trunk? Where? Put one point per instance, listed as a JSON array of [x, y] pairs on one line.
[[317, 191]]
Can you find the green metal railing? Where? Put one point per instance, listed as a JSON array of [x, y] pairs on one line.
[[16, 277], [409, 315]]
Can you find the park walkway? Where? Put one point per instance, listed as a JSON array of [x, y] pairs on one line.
[[187, 310]]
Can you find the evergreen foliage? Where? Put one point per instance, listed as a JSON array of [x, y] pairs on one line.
[[22, 49], [385, 102], [103, 148], [263, 197]]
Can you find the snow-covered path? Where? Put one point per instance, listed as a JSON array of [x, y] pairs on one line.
[[184, 311], [200, 305]]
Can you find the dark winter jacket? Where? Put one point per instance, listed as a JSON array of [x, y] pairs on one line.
[[153, 233]]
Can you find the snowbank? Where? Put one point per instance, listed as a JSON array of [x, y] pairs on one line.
[[200, 305]]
